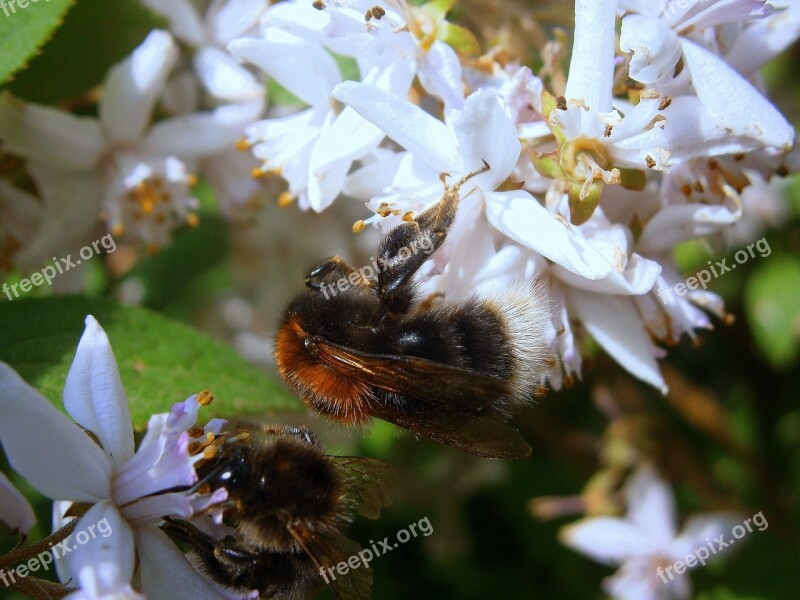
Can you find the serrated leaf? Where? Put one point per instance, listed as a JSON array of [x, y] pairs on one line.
[[24, 29], [96, 34], [160, 361], [771, 301]]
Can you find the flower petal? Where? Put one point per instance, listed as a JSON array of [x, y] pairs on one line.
[[165, 571], [764, 40], [76, 469], [485, 133], [415, 130], [184, 21], [606, 540], [94, 396], [733, 101], [51, 136], [591, 69], [656, 48], [651, 506], [225, 77], [282, 55], [700, 528], [133, 85], [102, 560], [520, 216], [440, 74], [677, 223], [15, 510], [618, 328]]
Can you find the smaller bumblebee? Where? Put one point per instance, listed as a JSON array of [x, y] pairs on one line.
[[289, 504], [451, 371]]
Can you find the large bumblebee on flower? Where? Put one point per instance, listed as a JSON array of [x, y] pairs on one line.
[[449, 371]]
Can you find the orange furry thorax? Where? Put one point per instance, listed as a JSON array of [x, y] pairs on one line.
[[322, 386]]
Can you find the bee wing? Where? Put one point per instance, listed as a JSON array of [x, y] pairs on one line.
[[415, 376], [368, 483], [482, 436], [328, 549]]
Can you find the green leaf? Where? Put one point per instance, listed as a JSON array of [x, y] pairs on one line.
[[161, 361], [771, 301], [25, 25], [96, 34]]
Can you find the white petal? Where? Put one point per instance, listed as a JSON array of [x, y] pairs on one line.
[[485, 133], [94, 396], [638, 277], [656, 48], [224, 77], [70, 466], [133, 86], [440, 74], [184, 21], [764, 40], [204, 133], [677, 223], [520, 216], [15, 510], [699, 529], [102, 561], [733, 101], [234, 18], [591, 69], [638, 579], [618, 328], [415, 130], [165, 571], [651, 506], [348, 138], [48, 135], [605, 540], [283, 56]]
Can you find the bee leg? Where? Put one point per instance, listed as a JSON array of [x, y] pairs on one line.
[[329, 270], [300, 431], [406, 247]]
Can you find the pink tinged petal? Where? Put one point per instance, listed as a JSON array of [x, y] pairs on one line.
[[704, 15], [606, 540], [638, 579], [184, 21], [225, 77], [152, 509], [680, 222], [15, 510], [733, 101], [173, 467], [283, 56], [103, 560], [215, 426], [699, 529], [651, 506], [204, 133], [485, 133], [165, 571], [77, 469], [520, 216], [415, 130], [94, 396], [51, 136], [591, 69], [440, 74], [133, 86], [764, 40], [183, 415], [656, 48], [618, 328]]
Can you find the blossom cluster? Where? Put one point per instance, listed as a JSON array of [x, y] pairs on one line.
[[660, 132]]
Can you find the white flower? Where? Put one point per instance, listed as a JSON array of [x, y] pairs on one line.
[[646, 541], [130, 490], [661, 34], [221, 74], [114, 162], [15, 510]]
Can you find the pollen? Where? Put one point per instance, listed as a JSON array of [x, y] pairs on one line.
[[242, 145], [285, 199], [192, 220], [358, 226], [205, 398]]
